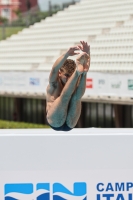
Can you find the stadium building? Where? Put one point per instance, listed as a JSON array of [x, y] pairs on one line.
[[26, 60], [8, 8]]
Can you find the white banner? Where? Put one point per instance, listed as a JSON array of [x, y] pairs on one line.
[[87, 164], [108, 84]]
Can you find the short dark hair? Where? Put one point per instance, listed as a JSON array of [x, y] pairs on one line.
[[69, 65]]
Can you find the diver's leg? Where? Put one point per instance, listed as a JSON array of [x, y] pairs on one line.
[[57, 113], [74, 110], [75, 103]]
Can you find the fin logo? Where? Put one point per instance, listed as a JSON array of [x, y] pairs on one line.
[[25, 191], [62, 193]]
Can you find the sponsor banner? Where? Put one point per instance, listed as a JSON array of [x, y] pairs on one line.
[[108, 84], [67, 185], [23, 81]]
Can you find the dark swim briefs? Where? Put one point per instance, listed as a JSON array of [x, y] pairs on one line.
[[64, 127]]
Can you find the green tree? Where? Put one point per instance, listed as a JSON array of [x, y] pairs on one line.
[[3, 20]]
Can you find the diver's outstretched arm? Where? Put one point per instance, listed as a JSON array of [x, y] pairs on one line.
[[60, 61]]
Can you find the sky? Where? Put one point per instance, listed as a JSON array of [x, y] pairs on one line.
[[43, 4]]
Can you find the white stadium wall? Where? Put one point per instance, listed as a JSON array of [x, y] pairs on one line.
[[27, 58]]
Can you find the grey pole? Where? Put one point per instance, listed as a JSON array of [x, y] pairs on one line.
[[3, 31], [50, 8]]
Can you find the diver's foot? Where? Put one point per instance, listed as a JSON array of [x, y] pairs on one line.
[[80, 63]]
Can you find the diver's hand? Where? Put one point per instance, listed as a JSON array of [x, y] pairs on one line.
[[84, 47], [71, 51]]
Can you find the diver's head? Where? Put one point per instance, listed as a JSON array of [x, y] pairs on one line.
[[67, 70]]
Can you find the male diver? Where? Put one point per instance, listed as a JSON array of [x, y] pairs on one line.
[[67, 84]]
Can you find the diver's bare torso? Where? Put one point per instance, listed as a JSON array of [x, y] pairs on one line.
[[53, 92]]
